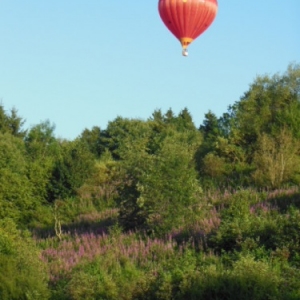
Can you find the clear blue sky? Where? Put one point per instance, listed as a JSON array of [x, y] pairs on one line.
[[81, 64]]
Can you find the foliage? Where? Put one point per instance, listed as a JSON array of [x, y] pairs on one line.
[[15, 188], [92, 140], [159, 177], [168, 188], [277, 159], [71, 169], [266, 116], [250, 223], [42, 150], [22, 274], [102, 186], [11, 123]]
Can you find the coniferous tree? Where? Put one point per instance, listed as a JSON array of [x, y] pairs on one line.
[[71, 169], [11, 123]]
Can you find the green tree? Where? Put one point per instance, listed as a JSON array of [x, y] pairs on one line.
[[277, 159], [271, 104], [11, 123], [71, 169], [124, 135], [16, 199], [92, 139], [104, 182], [210, 127], [263, 107], [161, 185], [42, 150], [157, 116], [216, 155], [214, 166], [170, 188], [210, 131]]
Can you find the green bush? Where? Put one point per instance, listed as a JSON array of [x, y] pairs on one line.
[[246, 279], [108, 278], [22, 274], [235, 222], [289, 234]]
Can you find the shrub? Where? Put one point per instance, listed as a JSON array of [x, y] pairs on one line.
[[22, 274]]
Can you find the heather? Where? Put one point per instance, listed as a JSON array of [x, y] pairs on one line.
[[157, 208], [246, 245]]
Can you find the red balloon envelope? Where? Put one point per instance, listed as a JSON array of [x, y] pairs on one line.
[[187, 19]]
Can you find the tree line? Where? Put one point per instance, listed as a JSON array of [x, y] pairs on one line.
[[150, 167]]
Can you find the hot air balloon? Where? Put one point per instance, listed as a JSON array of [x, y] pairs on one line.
[[187, 19]]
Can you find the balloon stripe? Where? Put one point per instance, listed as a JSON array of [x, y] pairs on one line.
[[187, 19]]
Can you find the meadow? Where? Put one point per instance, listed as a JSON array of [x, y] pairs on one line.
[[244, 245]]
